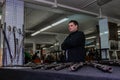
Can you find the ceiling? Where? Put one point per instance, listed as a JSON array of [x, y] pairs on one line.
[[42, 13], [36, 19]]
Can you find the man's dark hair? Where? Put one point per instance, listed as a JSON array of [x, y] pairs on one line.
[[74, 21]]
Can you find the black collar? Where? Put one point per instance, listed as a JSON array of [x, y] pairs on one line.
[[73, 32]]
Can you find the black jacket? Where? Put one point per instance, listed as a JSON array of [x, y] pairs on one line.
[[74, 45]]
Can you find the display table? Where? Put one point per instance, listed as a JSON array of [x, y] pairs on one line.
[[85, 73]]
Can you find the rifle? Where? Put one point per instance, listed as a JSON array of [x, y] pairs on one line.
[[62, 66], [49, 66], [76, 66], [38, 66], [29, 64], [111, 63], [101, 67]]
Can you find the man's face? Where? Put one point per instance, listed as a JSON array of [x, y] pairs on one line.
[[72, 27]]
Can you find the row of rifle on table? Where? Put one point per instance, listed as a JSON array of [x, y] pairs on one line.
[[76, 66]]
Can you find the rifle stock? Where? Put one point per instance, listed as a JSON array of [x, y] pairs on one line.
[[76, 66]]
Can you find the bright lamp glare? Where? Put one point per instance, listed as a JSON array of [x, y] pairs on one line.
[[91, 37], [0, 17], [52, 25], [61, 21]]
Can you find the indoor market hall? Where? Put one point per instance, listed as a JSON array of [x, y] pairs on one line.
[[59, 40]]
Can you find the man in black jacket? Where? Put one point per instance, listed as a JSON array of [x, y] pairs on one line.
[[74, 44]]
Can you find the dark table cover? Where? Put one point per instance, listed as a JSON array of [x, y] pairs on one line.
[[85, 73]]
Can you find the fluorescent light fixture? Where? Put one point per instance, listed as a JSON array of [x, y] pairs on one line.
[[44, 48], [97, 43], [0, 17], [51, 46], [90, 46], [118, 31], [37, 32], [61, 21], [91, 37], [50, 26], [45, 28], [56, 44]]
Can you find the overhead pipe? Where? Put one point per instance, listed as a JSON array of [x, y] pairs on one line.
[[74, 9], [65, 6], [34, 6], [27, 41]]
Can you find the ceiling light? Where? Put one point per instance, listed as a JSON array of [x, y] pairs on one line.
[[97, 43], [118, 31], [37, 32], [90, 46], [0, 17], [61, 21], [43, 29], [44, 48], [91, 37], [50, 26], [51, 46]]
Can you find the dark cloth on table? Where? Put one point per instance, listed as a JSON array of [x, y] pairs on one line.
[[86, 73]]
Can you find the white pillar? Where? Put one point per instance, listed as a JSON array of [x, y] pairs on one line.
[[13, 20], [104, 38], [34, 48]]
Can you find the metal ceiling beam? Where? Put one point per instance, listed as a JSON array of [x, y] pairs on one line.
[[72, 8], [38, 42], [65, 6], [52, 33], [34, 6]]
